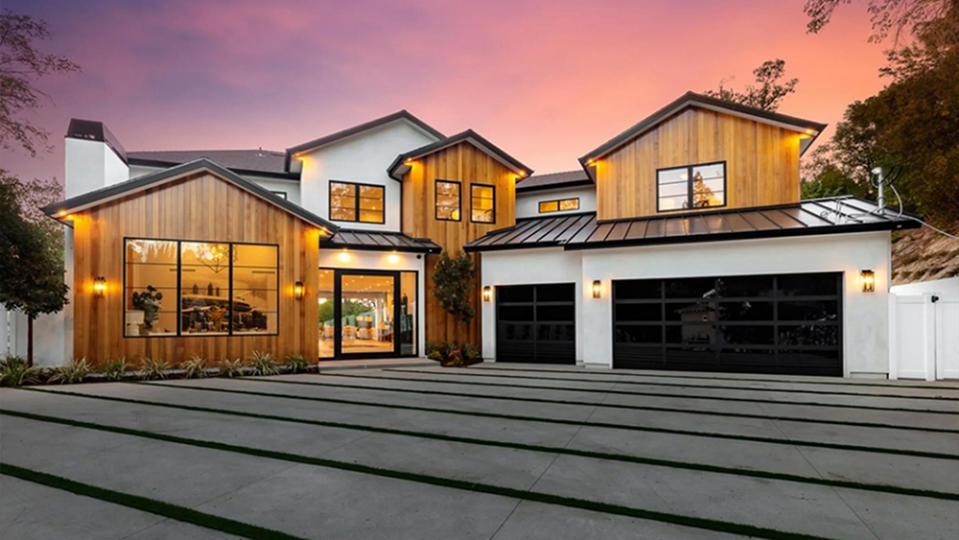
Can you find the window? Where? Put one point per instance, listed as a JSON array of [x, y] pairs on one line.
[[356, 202], [694, 186], [448, 200], [482, 203], [178, 288], [280, 194], [559, 205]]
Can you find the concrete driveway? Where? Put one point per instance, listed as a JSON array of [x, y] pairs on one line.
[[493, 451]]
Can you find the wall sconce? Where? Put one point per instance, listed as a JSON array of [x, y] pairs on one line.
[[393, 258], [298, 290], [597, 288], [99, 286], [344, 256], [487, 293], [868, 278]]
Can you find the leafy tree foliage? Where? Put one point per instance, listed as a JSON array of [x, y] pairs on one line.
[[887, 16], [768, 91], [453, 285]]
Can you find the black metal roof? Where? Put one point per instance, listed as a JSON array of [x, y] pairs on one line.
[[92, 130], [255, 162], [398, 168], [379, 241], [333, 137], [555, 180], [582, 231], [147, 181]]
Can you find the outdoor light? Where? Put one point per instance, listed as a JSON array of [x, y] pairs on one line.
[[344, 256], [597, 288], [868, 279], [99, 286], [487, 293], [298, 290], [393, 258]]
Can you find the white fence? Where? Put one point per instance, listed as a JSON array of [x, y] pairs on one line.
[[924, 330]]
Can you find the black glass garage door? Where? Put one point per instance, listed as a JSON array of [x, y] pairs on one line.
[[789, 324], [536, 323]]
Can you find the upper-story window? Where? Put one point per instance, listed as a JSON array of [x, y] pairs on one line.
[[448, 200], [692, 186], [350, 201], [482, 203], [559, 205]]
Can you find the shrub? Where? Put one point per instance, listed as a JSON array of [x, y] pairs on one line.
[[195, 367], [263, 364], [453, 355], [296, 363], [230, 368], [115, 369], [14, 371], [154, 369], [70, 374]]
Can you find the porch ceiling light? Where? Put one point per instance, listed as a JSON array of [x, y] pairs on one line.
[[868, 279], [487, 293], [99, 286], [298, 290], [597, 288], [393, 257], [344, 256]]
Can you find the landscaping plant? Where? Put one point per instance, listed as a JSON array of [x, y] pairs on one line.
[[230, 368], [453, 355], [154, 369], [195, 367], [263, 364], [72, 373], [14, 371], [115, 369], [295, 363]]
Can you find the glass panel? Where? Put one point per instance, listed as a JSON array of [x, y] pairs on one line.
[[638, 289], [517, 332], [342, 201], [708, 183], [150, 288], [516, 313], [560, 292], [371, 204], [569, 204], [515, 293], [810, 335], [555, 332], [807, 284], [639, 334], [746, 335], [691, 288], [482, 204], [555, 313], [639, 312], [674, 190], [447, 200], [204, 288], [699, 311], [366, 314], [548, 206], [697, 334], [327, 327], [745, 311], [748, 286], [809, 310], [672, 176], [408, 313], [672, 203], [255, 294]]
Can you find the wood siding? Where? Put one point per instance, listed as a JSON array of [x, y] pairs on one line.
[[762, 163], [466, 164], [200, 207]]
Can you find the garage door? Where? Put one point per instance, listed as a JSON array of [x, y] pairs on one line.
[[789, 324], [536, 323]]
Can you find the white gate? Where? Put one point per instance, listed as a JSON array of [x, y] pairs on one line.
[[924, 336]]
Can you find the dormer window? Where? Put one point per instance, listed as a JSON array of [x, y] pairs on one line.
[[691, 186]]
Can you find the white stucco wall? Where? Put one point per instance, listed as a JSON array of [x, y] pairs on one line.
[[527, 204], [865, 315], [380, 260], [361, 158], [90, 165]]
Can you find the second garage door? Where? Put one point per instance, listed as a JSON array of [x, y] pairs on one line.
[[536, 323], [789, 324]]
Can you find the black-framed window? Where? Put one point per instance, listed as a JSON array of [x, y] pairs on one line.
[[691, 186], [356, 202], [449, 200], [559, 205], [482, 203], [191, 288]]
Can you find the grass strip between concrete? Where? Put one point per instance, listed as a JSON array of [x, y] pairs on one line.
[[620, 373], [647, 394], [475, 373], [736, 471], [153, 506], [536, 496]]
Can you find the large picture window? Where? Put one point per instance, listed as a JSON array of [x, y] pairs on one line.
[[482, 203], [692, 186], [448, 200], [183, 288], [355, 202]]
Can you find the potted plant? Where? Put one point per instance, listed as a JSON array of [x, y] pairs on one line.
[[146, 309]]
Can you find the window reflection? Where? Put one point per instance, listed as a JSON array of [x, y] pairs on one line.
[[150, 293], [447, 200], [254, 289]]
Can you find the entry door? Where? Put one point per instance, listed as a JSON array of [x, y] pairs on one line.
[[536, 323], [365, 313]]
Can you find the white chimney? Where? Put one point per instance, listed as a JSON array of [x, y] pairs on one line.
[[94, 158]]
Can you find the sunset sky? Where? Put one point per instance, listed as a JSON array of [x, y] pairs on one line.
[[547, 81]]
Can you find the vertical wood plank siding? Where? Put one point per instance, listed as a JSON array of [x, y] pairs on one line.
[[200, 207]]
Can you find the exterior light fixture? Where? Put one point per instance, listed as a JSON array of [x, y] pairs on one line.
[[487, 293], [344, 256], [298, 290], [868, 278], [393, 257], [99, 286], [597, 288]]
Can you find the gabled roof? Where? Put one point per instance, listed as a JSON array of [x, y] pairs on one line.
[[399, 167], [92, 130], [692, 99], [555, 180], [583, 231], [152, 180], [379, 241], [252, 162], [333, 137]]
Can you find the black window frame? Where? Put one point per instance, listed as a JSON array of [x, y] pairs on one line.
[[491, 186], [459, 199], [356, 201], [689, 186], [280, 194], [559, 203], [179, 286]]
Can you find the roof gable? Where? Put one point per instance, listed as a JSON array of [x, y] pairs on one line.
[[355, 130], [399, 167]]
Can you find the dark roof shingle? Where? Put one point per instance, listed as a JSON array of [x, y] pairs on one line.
[[554, 180], [252, 161]]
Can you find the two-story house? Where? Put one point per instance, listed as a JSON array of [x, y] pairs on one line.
[[680, 244]]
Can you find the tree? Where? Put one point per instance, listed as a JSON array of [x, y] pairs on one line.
[[895, 16], [31, 258], [768, 92], [21, 64], [453, 285]]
